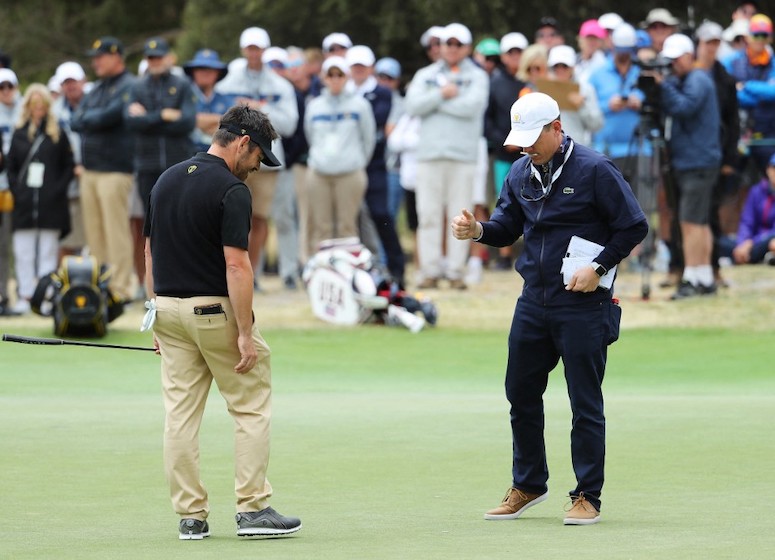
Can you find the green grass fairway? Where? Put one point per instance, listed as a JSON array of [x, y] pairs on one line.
[[391, 446]]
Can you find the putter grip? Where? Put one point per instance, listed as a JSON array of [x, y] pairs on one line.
[[31, 340]]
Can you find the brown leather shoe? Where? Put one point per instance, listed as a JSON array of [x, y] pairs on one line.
[[515, 502], [581, 512], [457, 284]]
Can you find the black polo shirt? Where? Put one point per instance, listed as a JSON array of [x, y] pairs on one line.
[[197, 208]]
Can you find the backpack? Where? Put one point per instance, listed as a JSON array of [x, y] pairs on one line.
[[78, 298]]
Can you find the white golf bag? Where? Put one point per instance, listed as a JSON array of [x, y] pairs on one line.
[[345, 287]]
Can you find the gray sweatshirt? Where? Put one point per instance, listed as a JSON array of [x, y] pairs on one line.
[[451, 128], [341, 133]]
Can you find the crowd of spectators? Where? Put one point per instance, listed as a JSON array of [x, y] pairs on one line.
[[81, 157]]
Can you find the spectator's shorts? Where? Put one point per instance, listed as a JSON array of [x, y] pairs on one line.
[[695, 190], [262, 185]]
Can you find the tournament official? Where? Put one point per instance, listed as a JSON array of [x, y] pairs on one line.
[[561, 189], [198, 267]]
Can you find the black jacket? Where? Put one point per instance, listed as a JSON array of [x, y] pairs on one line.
[[726, 92], [504, 91], [45, 207], [158, 143], [107, 144]]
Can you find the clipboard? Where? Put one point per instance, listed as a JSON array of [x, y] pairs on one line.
[[558, 91]]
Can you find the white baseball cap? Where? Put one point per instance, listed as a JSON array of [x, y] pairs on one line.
[[677, 45], [529, 114], [435, 31], [8, 75], [457, 31], [513, 40], [360, 54], [624, 36], [336, 62], [709, 31], [562, 54], [69, 71], [341, 39], [254, 36], [278, 54], [610, 21]]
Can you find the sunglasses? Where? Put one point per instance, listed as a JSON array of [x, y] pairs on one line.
[[7, 85], [760, 36]]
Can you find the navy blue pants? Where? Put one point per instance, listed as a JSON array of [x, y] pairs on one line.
[[539, 338]]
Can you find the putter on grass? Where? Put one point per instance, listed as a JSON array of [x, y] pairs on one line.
[[60, 342]]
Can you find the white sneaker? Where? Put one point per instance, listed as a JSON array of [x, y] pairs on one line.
[[21, 307], [474, 275]]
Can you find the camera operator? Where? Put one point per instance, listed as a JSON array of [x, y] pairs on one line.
[[688, 98]]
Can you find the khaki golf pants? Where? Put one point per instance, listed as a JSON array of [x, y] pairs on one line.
[[195, 350]]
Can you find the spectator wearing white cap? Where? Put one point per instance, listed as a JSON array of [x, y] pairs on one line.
[[72, 82], [505, 87], [336, 44], [341, 133], [733, 39], [431, 42], [660, 24], [723, 212], [10, 107], [581, 114], [609, 21], [450, 96], [616, 86], [689, 97], [361, 60], [262, 89]]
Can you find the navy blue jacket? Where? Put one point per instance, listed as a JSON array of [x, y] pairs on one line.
[[107, 144], [589, 199]]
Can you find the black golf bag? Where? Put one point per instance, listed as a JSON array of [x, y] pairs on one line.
[[78, 298]]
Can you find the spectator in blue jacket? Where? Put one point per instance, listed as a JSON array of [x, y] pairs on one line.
[[689, 97], [205, 70]]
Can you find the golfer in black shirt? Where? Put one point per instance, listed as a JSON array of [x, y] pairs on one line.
[[199, 272]]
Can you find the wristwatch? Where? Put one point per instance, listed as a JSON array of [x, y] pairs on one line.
[[599, 268]]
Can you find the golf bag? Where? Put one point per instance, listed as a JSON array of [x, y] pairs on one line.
[[346, 287], [78, 298]]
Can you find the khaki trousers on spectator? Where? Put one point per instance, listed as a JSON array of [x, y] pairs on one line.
[[444, 188], [335, 201], [195, 350], [262, 185], [105, 207]]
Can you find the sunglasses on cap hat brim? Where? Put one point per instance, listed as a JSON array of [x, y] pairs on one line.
[[268, 158]]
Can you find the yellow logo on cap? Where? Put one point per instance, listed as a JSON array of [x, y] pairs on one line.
[[152, 44], [517, 118], [191, 169], [96, 44]]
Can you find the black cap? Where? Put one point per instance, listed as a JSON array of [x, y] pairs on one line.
[[268, 159], [106, 45], [548, 21], [156, 46]]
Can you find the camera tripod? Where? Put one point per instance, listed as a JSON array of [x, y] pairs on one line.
[[647, 178]]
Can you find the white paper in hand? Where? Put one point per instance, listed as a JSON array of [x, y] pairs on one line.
[[150, 316], [581, 253]]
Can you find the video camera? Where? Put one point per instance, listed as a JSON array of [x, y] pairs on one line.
[[648, 85]]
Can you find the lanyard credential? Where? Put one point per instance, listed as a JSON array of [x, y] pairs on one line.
[[568, 149]]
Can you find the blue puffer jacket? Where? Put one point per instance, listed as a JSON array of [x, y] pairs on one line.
[[758, 91], [589, 198]]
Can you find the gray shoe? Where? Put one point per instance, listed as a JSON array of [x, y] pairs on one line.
[[265, 523], [193, 530]]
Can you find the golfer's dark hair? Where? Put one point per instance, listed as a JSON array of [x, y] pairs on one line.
[[243, 116]]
